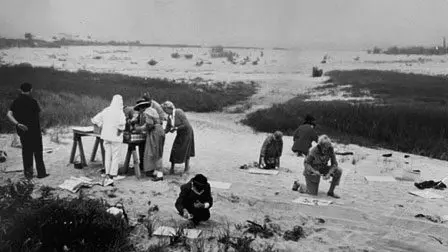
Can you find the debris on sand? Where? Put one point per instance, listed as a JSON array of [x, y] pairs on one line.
[[3, 156], [317, 72], [188, 56], [387, 155], [295, 234], [97, 57], [152, 62]]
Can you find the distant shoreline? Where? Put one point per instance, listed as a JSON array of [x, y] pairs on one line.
[[11, 43]]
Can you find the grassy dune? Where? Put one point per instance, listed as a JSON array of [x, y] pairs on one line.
[[70, 98], [410, 113]]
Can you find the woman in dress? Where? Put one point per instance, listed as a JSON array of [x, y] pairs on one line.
[[155, 139], [183, 146]]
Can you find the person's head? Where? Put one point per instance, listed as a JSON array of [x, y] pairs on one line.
[[324, 143], [199, 182], [26, 88], [117, 102], [309, 119], [141, 105], [278, 135], [168, 107], [147, 97]]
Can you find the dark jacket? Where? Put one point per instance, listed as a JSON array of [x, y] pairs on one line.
[[303, 137], [271, 147], [187, 197]]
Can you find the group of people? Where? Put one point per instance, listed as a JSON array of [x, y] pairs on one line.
[[145, 118], [316, 157]]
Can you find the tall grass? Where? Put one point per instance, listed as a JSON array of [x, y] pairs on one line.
[[68, 98], [409, 115]]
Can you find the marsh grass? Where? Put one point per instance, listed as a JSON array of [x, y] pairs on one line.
[[72, 98], [409, 114]]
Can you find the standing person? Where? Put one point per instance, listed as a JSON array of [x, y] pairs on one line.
[[24, 114], [112, 121], [271, 151], [316, 165], [155, 139], [195, 199], [304, 135], [183, 146]]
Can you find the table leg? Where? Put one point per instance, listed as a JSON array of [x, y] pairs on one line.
[[75, 143], [103, 154], [95, 149], [81, 153], [131, 148]]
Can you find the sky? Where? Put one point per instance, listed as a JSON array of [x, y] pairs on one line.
[[265, 23]]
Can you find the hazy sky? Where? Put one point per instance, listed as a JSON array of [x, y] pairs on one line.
[[289, 23]]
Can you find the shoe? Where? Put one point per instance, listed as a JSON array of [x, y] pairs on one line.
[[108, 182], [157, 179], [333, 195], [43, 176]]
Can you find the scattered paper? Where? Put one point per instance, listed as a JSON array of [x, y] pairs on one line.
[[380, 179], [88, 129], [426, 194], [169, 231], [220, 185], [312, 201], [75, 183], [262, 171]]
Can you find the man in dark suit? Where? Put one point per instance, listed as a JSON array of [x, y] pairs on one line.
[[24, 114], [195, 199]]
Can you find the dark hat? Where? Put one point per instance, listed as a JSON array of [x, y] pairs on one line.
[[142, 104], [200, 181], [310, 119], [26, 87]]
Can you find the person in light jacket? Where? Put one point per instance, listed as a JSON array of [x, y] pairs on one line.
[[113, 121]]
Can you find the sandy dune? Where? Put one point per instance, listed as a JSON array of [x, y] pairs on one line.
[[370, 216]]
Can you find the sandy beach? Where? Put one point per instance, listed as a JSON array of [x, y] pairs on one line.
[[370, 216]]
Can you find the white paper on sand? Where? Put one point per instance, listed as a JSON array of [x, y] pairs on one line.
[[312, 201], [262, 171], [75, 183], [380, 179], [220, 185], [87, 129], [170, 231], [426, 194]]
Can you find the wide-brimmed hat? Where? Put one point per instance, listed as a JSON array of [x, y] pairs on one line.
[[142, 104], [200, 181]]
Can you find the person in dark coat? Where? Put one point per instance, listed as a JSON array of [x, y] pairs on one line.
[[183, 146], [24, 114], [195, 199], [271, 151], [304, 135]]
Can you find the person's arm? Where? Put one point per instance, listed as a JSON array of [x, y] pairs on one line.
[[263, 151], [180, 200], [309, 164], [181, 118], [98, 119], [209, 202], [121, 123], [16, 123]]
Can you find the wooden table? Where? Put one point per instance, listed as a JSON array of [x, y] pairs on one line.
[[79, 132]]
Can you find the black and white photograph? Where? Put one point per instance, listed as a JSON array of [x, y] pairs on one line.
[[223, 125]]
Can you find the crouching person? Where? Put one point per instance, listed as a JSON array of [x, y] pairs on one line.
[[271, 151], [316, 165], [195, 199]]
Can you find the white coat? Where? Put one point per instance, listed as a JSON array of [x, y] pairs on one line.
[[112, 120]]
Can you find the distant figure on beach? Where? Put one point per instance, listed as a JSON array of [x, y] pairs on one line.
[[151, 125], [304, 135], [195, 199], [316, 165], [24, 114], [271, 151], [183, 146], [112, 122]]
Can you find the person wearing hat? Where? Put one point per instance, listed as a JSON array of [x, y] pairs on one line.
[[271, 151], [150, 124], [155, 105], [195, 200], [183, 146], [24, 114], [304, 135]]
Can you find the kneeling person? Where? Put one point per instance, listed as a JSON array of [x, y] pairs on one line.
[[271, 151], [195, 199], [316, 165]]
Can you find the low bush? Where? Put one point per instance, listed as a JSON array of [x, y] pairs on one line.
[[47, 224]]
